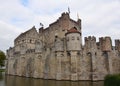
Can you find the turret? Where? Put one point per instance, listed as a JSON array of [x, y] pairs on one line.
[[90, 43], [105, 44], [117, 45], [10, 52], [74, 44], [73, 38]]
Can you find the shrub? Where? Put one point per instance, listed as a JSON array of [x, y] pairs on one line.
[[112, 80]]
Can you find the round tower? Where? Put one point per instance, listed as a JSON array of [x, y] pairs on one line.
[[74, 39], [74, 43]]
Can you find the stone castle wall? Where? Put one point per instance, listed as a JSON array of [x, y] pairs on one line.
[[57, 53]]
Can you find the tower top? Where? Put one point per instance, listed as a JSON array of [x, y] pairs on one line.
[[68, 10]]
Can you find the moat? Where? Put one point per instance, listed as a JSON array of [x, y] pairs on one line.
[[7, 80]]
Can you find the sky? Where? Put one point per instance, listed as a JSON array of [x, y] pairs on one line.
[[100, 18]]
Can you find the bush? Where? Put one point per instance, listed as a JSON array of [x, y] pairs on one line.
[[112, 80], [2, 58], [2, 70]]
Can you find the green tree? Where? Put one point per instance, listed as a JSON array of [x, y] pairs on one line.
[[2, 58]]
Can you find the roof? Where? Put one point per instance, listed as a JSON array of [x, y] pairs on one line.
[[72, 30], [23, 34]]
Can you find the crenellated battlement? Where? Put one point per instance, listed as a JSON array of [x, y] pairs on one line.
[[90, 38]]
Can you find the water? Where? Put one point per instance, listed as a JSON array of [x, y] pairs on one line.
[[22, 81]]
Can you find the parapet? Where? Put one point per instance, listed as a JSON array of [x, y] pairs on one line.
[[90, 38]]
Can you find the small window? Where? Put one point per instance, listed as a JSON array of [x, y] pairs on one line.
[[95, 53], [56, 36], [63, 30], [78, 38], [30, 41], [73, 38], [78, 53], [68, 53], [22, 40]]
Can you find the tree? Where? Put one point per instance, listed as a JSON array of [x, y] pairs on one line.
[[2, 58]]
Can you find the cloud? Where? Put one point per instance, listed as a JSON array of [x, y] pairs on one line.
[[7, 35], [99, 17]]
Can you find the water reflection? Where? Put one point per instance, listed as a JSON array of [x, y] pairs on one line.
[[1, 76], [1, 79], [21, 81]]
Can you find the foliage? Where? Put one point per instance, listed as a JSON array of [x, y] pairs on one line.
[[2, 70], [112, 80], [2, 58]]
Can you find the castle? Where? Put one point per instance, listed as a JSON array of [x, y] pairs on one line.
[[57, 53]]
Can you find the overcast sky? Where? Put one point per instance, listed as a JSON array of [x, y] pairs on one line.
[[99, 17]]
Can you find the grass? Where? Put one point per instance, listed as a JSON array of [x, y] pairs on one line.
[[2, 70], [112, 80]]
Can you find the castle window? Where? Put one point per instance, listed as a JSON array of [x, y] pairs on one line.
[[95, 53], [30, 41], [78, 53], [68, 53], [73, 38], [80, 34], [22, 40], [78, 38], [62, 55], [56, 36], [89, 54], [105, 54]]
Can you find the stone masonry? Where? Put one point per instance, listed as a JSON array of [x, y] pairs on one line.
[[57, 53]]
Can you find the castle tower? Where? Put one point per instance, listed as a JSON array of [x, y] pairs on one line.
[[90, 44], [59, 49], [105, 44], [73, 39], [117, 45], [91, 48]]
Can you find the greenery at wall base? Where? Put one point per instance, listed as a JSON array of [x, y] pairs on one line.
[[112, 80], [2, 70]]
